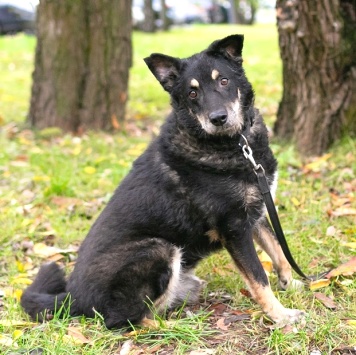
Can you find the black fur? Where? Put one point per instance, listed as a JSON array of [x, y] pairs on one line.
[[191, 181]]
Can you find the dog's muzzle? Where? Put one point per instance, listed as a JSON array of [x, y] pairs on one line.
[[218, 118]]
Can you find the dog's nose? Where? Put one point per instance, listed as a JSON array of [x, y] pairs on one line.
[[218, 118]]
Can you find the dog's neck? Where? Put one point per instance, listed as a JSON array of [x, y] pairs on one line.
[[209, 152]]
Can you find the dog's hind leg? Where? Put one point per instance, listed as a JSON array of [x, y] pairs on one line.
[[242, 250], [265, 237], [147, 275]]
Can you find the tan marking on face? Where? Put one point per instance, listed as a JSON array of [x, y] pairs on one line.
[[194, 83], [213, 235], [215, 74]]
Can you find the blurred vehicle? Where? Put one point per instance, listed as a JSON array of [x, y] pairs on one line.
[[178, 12], [17, 16]]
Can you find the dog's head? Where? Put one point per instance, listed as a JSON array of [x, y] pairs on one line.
[[209, 91]]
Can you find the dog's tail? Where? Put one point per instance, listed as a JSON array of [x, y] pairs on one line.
[[47, 294]]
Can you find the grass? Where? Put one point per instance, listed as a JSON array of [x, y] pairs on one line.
[[53, 186]]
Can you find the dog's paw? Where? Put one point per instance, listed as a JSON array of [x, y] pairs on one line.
[[289, 316], [290, 284]]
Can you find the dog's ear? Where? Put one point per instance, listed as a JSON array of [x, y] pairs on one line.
[[230, 47], [165, 68]]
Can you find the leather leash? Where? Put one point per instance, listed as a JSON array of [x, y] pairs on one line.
[[271, 208]]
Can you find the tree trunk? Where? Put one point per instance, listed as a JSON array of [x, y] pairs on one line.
[[163, 16], [149, 22], [83, 56], [317, 43]]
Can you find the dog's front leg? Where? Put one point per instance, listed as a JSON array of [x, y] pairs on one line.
[[241, 248]]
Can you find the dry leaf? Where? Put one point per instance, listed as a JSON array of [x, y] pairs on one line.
[[126, 347], [203, 352], [314, 285], [266, 261], [346, 269], [221, 324], [149, 323], [77, 336], [343, 211], [316, 164], [325, 300], [16, 323], [245, 292], [351, 322]]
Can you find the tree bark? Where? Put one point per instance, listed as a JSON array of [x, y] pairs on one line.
[[149, 22], [82, 61], [317, 43]]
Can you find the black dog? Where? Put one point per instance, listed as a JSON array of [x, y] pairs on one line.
[[191, 193]]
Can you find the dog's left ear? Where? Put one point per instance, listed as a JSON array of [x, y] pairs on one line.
[[165, 68], [230, 47]]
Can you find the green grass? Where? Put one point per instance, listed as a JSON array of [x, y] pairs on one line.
[[53, 186]]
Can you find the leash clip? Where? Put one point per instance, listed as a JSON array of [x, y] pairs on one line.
[[248, 154]]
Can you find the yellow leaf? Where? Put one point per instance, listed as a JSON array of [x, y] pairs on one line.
[[21, 281], [351, 322], [16, 323], [77, 150], [295, 201], [351, 245], [346, 269], [266, 261], [90, 170], [20, 266], [39, 178], [314, 285], [17, 333], [43, 250], [317, 163], [18, 294]]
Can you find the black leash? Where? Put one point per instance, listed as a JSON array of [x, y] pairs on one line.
[[271, 208]]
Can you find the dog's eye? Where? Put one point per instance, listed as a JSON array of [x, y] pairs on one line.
[[224, 81], [193, 94]]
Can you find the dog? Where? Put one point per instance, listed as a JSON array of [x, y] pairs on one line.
[[191, 193]]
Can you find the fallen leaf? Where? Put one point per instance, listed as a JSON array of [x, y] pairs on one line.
[[331, 231], [16, 323], [149, 323], [218, 308], [316, 164], [90, 170], [346, 269], [266, 261], [126, 347], [21, 281], [314, 285], [44, 251], [351, 322], [325, 300], [77, 336], [221, 324], [203, 352], [245, 292], [351, 245], [343, 211]]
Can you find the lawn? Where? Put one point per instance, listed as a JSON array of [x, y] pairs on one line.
[[53, 186]]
